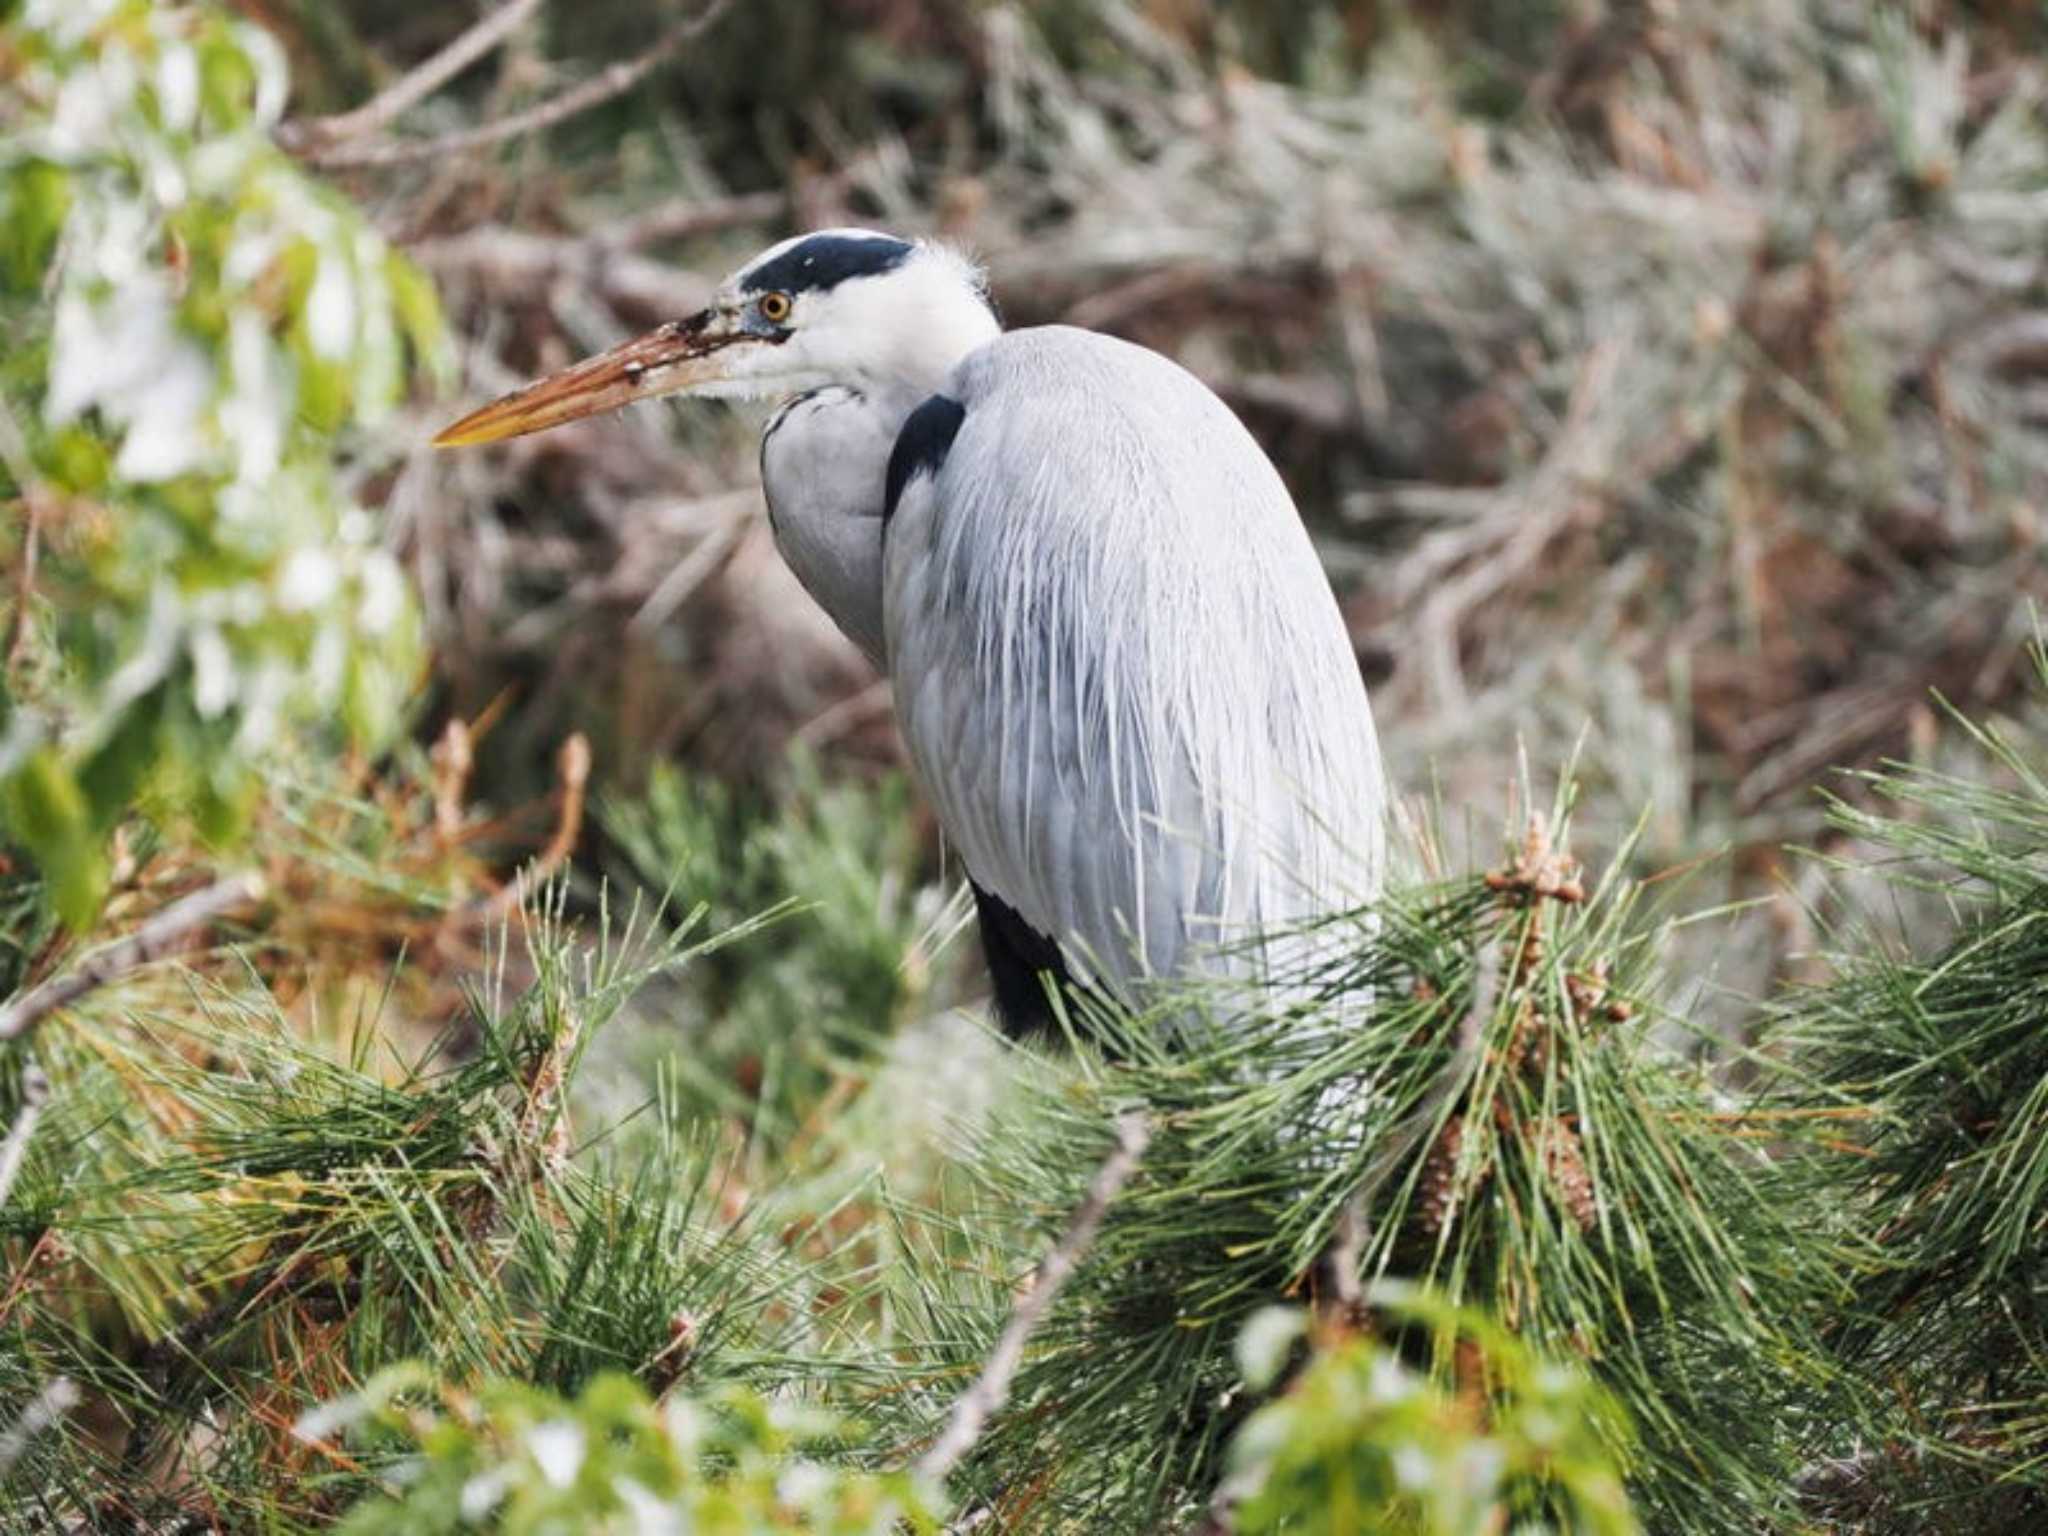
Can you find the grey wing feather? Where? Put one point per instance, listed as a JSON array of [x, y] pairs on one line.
[[1119, 668]]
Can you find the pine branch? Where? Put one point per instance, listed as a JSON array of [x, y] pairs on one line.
[[614, 81], [313, 137], [164, 934], [1402, 1142], [971, 1412]]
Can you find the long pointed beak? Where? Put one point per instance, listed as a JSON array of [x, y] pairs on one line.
[[680, 355]]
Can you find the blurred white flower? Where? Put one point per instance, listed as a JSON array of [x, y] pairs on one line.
[[253, 416], [213, 673], [331, 309], [177, 87], [557, 1449], [383, 594], [309, 578], [484, 1492], [124, 355]]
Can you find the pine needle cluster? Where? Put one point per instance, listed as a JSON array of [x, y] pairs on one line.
[[1928, 1058], [222, 1226], [1506, 1122]]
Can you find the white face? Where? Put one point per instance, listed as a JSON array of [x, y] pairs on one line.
[[842, 306], [852, 307]]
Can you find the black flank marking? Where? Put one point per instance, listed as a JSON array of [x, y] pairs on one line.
[[921, 447], [826, 261], [1019, 958]]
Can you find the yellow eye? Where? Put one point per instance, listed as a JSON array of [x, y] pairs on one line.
[[774, 307]]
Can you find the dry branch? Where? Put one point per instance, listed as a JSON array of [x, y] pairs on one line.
[[971, 1412], [162, 935], [572, 768], [685, 218], [613, 81], [511, 261], [35, 1093], [316, 138], [57, 1398]]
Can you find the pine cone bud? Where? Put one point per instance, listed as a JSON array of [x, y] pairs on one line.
[[1437, 1191], [1538, 869], [1522, 1039], [1564, 1163], [1593, 997]]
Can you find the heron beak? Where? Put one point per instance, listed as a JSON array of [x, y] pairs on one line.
[[680, 355]]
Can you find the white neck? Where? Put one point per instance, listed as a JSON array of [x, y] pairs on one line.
[[865, 354]]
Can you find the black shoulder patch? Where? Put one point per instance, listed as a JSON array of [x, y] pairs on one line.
[[1019, 960], [921, 446], [826, 261]]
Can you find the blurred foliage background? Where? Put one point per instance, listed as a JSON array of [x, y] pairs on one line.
[[1665, 373], [1665, 386]]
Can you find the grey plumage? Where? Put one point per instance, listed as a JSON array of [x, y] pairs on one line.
[[1118, 667]]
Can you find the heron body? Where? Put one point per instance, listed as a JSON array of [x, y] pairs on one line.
[[1119, 670]]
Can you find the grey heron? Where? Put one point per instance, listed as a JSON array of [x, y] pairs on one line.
[[1118, 667]]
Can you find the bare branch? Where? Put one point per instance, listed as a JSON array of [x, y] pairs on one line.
[[684, 217], [971, 1412], [313, 136], [35, 1093], [513, 261], [572, 768], [613, 81], [1344, 1301], [164, 934], [58, 1397], [35, 496]]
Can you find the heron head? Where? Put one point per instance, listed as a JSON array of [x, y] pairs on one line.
[[842, 306]]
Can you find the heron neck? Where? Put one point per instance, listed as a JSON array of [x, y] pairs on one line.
[[908, 355], [825, 456], [824, 461]]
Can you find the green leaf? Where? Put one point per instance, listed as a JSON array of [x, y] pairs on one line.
[[38, 202], [419, 316], [48, 814], [111, 777]]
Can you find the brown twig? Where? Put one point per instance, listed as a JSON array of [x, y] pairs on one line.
[[25, 578], [572, 767], [313, 138], [162, 935], [684, 218], [1343, 1302], [973, 1408], [828, 725], [34, 494], [513, 260], [453, 757], [614, 80]]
